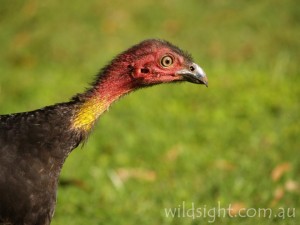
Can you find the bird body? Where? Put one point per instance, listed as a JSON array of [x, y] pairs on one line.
[[34, 145]]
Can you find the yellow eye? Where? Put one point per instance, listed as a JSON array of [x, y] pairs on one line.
[[166, 61]]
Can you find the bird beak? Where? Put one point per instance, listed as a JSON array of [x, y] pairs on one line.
[[194, 74]]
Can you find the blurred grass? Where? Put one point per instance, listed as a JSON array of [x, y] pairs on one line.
[[164, 145]]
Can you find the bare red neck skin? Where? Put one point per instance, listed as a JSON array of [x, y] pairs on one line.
[[112, 82], [139, 66]]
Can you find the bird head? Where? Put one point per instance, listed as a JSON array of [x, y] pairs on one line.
[[148, 63], [156, 61]]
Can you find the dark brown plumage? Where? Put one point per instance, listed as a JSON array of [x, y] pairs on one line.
[[34, 145]]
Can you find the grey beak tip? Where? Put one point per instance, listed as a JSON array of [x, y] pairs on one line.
[[197, 75]]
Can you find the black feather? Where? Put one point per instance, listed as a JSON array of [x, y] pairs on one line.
[[33, 148]]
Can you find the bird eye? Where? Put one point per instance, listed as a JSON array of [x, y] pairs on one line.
[[166, 61]]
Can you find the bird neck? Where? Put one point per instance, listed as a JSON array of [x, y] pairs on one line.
[[108, 88]]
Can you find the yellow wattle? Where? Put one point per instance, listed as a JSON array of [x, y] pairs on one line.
[[88, 113]]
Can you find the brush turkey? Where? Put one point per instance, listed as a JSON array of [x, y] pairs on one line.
[[34, 145]]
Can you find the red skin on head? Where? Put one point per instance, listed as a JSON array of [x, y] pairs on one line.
[[140, 66], [156, 73]]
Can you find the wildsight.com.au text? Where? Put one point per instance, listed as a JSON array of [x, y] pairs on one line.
[[191, 211]]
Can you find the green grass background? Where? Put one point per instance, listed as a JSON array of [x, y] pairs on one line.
[[169, 144]]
